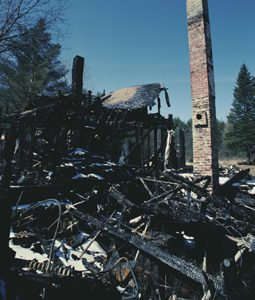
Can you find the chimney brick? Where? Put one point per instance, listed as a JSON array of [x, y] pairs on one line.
[[203, 91]]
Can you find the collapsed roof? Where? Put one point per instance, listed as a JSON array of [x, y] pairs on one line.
[[133, 97]]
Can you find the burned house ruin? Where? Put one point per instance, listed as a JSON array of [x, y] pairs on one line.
[[97, 204]]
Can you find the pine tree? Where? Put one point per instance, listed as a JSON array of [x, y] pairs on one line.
[[241, 133], [32, 69]]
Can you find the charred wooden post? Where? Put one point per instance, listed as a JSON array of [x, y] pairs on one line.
[[159, 105], [155, 145], [140, 142], [89, 98], [77, 89], [5, 207], [205, 152], [22, 157], [8, 153], [5, 252], [77, 77], [181, 149], [32, 143]]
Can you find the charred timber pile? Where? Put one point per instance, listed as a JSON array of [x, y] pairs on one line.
[[91, 205], [95, 225]]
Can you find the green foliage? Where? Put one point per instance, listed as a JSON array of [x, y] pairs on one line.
[[31, 69], [241, 132]]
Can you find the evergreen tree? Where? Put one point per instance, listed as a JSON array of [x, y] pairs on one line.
[[32, 69], [241, 132]]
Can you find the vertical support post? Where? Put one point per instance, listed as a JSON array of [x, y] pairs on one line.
[[77, 88], [5, 209], [205, 152], [32, 143], [155, 146], [140, 141], [148, 141], [181, 149], [5, 252], [8, 153], [21, 133], [77, 77]]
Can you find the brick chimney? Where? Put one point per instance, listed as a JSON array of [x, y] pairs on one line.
[[205, 150]]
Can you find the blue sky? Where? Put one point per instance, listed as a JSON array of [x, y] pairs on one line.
[[130, 42]]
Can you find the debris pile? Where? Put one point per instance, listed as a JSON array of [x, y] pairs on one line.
[[133, 235], [92, 204]]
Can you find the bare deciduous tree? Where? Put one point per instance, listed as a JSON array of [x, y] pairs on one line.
[[17, 17]]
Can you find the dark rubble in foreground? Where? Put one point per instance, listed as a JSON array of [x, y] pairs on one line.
[[113, 232], [76, 223]]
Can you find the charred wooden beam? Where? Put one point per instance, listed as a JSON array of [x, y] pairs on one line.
[[181, 149], [187, 184], [186, 268], [228, 189], [5, 225], [8, 155], [77, 77]]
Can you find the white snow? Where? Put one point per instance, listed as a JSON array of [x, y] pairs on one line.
[[223, 180], [27, 253], [67, 255]]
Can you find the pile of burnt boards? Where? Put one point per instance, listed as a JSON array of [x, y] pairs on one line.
[[92, 206], [102, 229], [77, 223]]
